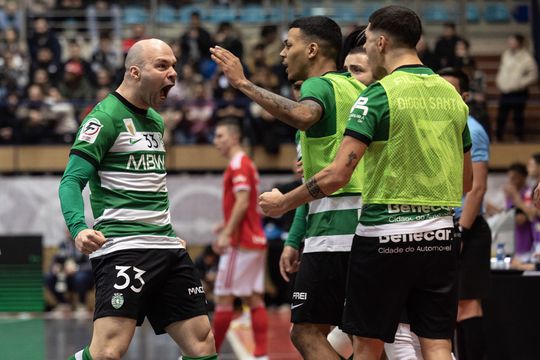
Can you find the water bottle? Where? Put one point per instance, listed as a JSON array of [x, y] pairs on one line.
[[500, 255]]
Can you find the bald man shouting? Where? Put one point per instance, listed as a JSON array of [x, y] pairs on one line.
[[140, 266]]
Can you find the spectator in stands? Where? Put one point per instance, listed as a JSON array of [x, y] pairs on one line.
[[8, 118], [196, 42], [10, 41], [65, 121], [103, 17], [106, 56], [35, 118], [184, 89], [72, 15], [478, 87], [11, 16], [425, 54], [41, 78], [40, 8], [272, 44], [138, 32], [231, 106], [257, 57], [227, 36], [533, 168], [46, 62], [207, 265], [13, 70], [42, 38], [74, 55], [70, 272], [101, 94], [445, 46], [517, 72], [75, 84], [198, 116], [265, 129], [518, 196]]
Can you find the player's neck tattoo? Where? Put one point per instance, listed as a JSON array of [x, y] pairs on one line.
[[314, 189]]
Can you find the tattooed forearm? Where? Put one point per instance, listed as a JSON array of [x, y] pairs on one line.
[[280, 102], [314, 189], [297, 115], [352, 157]]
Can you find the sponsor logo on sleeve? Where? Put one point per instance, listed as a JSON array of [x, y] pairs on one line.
[[90, 131]]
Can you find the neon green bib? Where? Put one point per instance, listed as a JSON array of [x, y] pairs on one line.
[[318, 153], [422, 161]]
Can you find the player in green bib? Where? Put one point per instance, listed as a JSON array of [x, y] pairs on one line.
[[411, 130], [310, 54], [141, 268]]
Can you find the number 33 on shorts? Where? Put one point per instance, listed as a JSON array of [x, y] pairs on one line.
[[137, 279]]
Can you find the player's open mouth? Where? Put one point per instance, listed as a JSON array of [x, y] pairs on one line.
[[165, 90]]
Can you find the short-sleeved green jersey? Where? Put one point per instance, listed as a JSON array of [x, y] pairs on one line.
[[128, 193], [330, 221], [370, 122]]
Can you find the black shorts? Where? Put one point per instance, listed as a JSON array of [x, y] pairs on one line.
[[415, 273], [474, 264], [319, 288], [161, 284]]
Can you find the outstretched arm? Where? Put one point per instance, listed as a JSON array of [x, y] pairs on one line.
[[300, 115]]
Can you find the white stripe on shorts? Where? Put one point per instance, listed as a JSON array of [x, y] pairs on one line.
[[328, 243]]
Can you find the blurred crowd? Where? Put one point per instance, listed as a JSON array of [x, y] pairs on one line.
[[50, 79]]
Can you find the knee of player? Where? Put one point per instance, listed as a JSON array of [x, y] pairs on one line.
[[109, 354], [205, 343], [302, 333]]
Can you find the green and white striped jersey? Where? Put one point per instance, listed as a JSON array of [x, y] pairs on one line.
[[128, 194]]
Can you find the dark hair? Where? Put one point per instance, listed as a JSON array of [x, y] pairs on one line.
[[458, 74], [400, 23], [224, 25], [449, 24], [353, 44], [519, 38], [325, 31], [518, 168], [465, 42], [232, 124], [536, 158], [268, 29]]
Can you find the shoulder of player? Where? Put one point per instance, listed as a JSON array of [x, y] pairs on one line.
[[241, 161], [476, 130], [100, 118], [374, 93], [316, 83]]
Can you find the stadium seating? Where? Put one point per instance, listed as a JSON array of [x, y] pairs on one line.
[[185, 12], [135, 15], [436, 13], [472, 13], [222, 13], [253, 14], [166, 15], [496, 13]]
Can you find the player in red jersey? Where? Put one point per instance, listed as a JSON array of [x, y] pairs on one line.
[[241, 241]]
